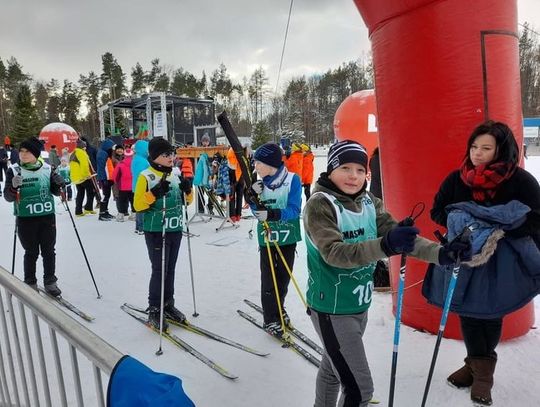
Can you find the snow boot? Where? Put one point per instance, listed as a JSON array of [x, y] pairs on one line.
[[482, 371], [174, 313], [462, 377], [153, 319], [120, 217], [274, 329], [52, 289], [104, 217]]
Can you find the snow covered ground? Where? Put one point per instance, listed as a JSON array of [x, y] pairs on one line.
[[223, 277]]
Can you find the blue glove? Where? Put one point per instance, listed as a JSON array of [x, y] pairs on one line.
[[399, 240], [450, 251]]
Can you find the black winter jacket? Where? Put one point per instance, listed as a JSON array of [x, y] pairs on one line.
[[521, 186]]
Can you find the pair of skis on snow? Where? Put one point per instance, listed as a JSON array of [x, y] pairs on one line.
[[68, 305], [140, 315]]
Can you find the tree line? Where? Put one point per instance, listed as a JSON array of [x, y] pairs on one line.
[[303, 108]]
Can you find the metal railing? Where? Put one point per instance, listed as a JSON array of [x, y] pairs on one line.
[[24, 359]]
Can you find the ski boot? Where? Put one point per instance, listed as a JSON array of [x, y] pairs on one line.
[[274, 329], [52, 289], [174, 314], [153, 319]]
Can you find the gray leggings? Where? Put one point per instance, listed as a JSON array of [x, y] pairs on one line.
[[344, 362]]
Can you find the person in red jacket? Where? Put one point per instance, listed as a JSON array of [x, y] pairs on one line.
[[307, 170]]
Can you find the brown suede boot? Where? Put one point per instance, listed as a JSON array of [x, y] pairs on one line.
[[462, 377], [482, 370]]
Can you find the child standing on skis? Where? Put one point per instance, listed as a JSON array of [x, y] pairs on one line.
[[157, 183], [347, 231], [63, 170], [280, 191], [31, 185]]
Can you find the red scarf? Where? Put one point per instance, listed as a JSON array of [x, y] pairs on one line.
[[485, 179]]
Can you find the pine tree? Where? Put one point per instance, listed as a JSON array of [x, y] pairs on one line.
[[137, 80], [3, 77], [261, 134], [70, 102], [25, 120], [90, 91], [112, 78], [184, 83], [257, 90], [41, 97]]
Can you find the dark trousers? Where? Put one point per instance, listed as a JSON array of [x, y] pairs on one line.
[[84, 188], [154, 244], [69, 192], [106, 187], [481, 336], [268, 296], [38, 234], [307, 191], [237, 199], [125, 199]]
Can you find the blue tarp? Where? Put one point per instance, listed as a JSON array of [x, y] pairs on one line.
[[133, 384]]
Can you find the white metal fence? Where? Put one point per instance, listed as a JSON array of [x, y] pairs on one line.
[[39, 352]]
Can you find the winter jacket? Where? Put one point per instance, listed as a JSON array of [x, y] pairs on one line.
[[3, 156], [521, 186], [187, 168], [79, 166], [13, 156], [122, 174], [101, 160], [223, 184], [294, 162], [92, 152], [334, 252], [504, 273], [140, 160], [232, 162], [202, 172], [307, 168]]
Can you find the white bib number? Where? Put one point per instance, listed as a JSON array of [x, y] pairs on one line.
[[173, 222], [364, 292], [39, 207]]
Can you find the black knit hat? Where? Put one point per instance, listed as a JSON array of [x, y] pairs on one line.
[[33, 145], [269, 154], [158, 146], [346, 151]]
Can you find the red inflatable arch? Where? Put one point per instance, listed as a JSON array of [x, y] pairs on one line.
[[356, 119], [59, 134], [441, 68]]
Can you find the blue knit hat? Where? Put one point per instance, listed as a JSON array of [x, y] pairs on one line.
[[269, 154]]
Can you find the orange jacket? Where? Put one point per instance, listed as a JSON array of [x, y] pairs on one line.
[[294, 162], [187, 168], [233, 163], [307, 168]]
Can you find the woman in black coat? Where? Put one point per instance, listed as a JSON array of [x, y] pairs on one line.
[[488, 176]]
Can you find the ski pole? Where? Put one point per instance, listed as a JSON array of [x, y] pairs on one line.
[[408, 221], [465, 235], [14, 245], [195, 313], [163, 259], [79, 239]]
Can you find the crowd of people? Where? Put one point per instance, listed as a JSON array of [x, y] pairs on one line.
[[347, 230]]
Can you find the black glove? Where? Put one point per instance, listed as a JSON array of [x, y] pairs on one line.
[[185, 185], [58, 180], [459, 247], [399, 240], [161, 188]]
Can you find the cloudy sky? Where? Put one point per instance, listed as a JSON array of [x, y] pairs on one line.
[[63, 38]]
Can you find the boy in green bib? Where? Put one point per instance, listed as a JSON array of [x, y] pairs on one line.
[[280, 191], [160, 181], [347, 231], [31, 186]]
